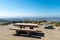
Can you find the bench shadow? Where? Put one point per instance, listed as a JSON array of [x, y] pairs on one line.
[[48, 28], [32, 36]]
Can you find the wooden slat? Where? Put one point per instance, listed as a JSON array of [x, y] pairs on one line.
[[26, 24], [22, 29]]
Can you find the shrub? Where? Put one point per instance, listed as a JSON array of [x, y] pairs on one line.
[[57, 24]]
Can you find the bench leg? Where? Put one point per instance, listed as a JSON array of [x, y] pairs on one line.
[[17, 32]]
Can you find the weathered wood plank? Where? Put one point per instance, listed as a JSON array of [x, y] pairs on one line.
[[26, 25]]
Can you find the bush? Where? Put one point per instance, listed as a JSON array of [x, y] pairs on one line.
[[42, 21], [27, 21], [57, 24]]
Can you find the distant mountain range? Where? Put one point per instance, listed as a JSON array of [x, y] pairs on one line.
[[3, 20], [30, 18]]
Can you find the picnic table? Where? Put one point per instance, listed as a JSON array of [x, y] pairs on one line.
[[20, 28], [47, 26], [23, 25]]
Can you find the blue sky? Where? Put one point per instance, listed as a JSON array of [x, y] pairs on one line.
[[29, 8]]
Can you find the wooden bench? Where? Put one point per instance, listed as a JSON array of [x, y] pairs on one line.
[[28, 32]]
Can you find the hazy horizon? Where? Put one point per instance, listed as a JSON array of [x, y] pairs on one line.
[[29, 8]]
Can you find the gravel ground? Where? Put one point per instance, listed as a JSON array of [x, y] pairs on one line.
[[6, 34]]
